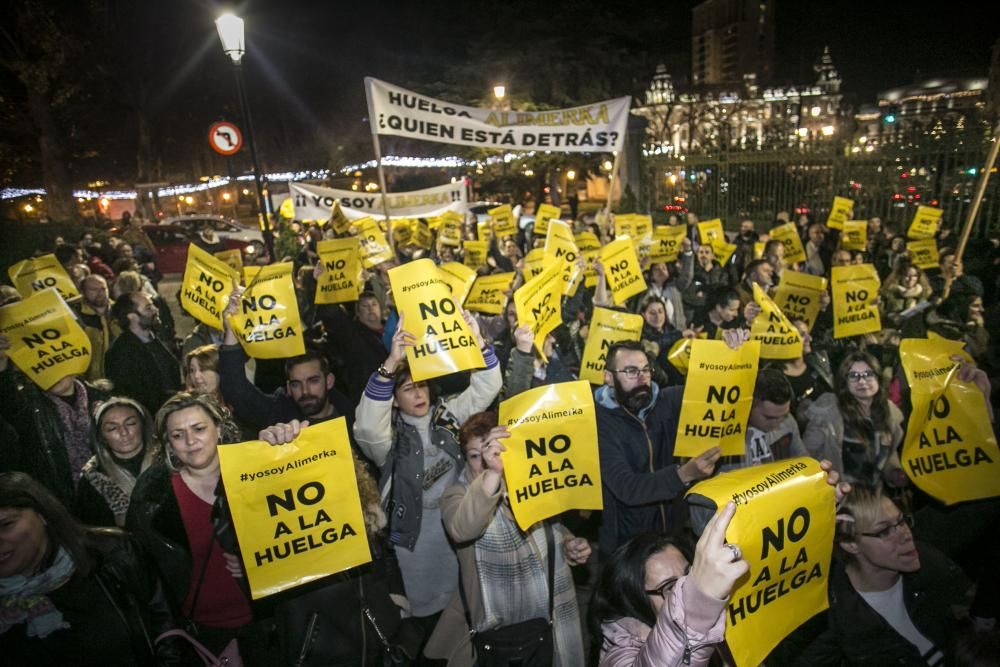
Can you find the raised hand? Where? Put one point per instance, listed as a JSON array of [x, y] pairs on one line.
[[279, 434], [700, 466], [717, 566], [401, 340]]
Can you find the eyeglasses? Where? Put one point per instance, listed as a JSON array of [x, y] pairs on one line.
[[892, 527], [632, 372], [858, 377], [664, 588]]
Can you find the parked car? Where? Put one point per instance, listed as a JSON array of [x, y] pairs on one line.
[[225, 228], [172, 243]]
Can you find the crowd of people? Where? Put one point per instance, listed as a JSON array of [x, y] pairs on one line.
[[117, 543]]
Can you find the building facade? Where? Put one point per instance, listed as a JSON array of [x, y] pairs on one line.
[[731, 39]]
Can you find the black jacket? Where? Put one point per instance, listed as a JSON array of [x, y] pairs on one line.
[[38, 449], [358, 348], [115, 614], [857, 635], [135, 372], [255, 409], [638, 471]]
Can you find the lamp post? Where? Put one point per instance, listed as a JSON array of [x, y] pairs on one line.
[[231, 34]]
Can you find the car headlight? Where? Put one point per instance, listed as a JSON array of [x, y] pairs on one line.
[[250, 249]]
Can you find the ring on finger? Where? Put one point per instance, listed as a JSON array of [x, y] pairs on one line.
[[735, 550]]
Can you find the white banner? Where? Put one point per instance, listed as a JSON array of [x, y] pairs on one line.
[[315, 202], [594, 128]]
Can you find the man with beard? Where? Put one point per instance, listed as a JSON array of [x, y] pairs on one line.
[[95, 317], [636, 429], [308, 392], [138, 363]]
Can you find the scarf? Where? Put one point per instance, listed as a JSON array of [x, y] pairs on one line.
[[75, 420], [513, 577], [114, 495], [25, 599]]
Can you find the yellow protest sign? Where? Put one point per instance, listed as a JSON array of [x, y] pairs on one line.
[[340, 281], [643, 225], [925, 223], [475, 253], [778, 338], [560, 247], [717, 398], [450, 229], [543, 214], [950, 451], [503, 220], [429, 311], [711, 229], [924, 253], [789, 237], [249, 273], [622, 270], [40, 273], [784, 526], [758, 249], [206, 286], [488, 293], [854, 236], [233, 258], [798, 296], [422, 235], [268, 324], [534, 263], [459, 279], [840, 211], [402, 231], [607, 327], [723, 250], [666, 244], [46, 341], [679, 354], [539, 303], [855, 292], [551, 463], [589, 247], [338, 220], [287, 209], [373, 248], [296, 507], [484, 231]]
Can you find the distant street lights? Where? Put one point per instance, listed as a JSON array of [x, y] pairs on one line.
[[500, 92], [231, 34]]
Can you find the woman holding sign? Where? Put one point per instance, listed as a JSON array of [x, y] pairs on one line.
[[504, 571], [857, 427], [654, 607], [173, 514]]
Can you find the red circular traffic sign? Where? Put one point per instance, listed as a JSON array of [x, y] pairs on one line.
[[225, 138]]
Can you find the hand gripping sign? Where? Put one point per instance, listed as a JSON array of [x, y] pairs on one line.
[[551, 463], [607, 327], [560, 247], [666, 243], [429, 311], [40, 273], [784, 526], [778, 338], [340, 281], [296, 507], [543, 215], [459, 278], [798, 296], [621, 270], [925, 223], [374, 249], [717, 398], [950, 451], [855, 292], [503, 220], [709, 230], [206, 286], [924, 253], [841, 210], [789, 237], [854, 235], [46, 341], [539, 303], [488, 293], [268, 324]]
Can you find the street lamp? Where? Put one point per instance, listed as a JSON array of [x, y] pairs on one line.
[[500, 91], [231, 34]]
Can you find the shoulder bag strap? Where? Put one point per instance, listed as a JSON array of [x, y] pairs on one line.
[[201, 577], [551, 547]]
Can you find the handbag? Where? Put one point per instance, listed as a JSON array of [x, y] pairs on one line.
[[230, 656], [526, 644]]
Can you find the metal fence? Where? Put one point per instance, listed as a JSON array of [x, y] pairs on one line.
[[889, 182]]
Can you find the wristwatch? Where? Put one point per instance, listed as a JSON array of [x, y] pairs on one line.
[[383, 372]]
